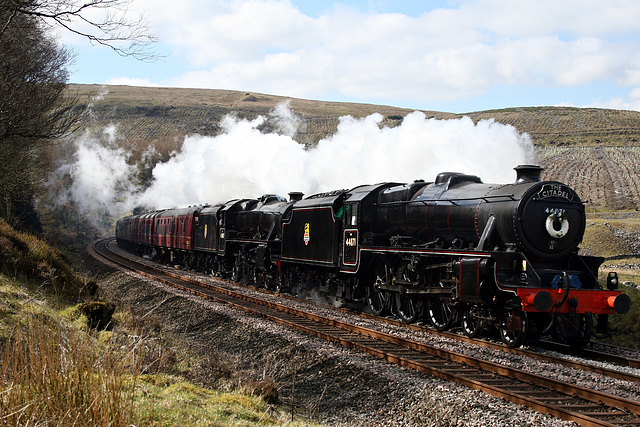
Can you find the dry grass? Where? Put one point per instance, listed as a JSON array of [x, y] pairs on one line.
[[57, 370], [612, 234], [571, 126], [600, 241], [50, 372], [53, 372]]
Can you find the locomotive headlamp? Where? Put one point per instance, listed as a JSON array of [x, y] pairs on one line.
[[523, 274], [557, 225], [612, 281]]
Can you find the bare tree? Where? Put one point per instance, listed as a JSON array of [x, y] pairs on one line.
[[34, 107], [33, 110], [104, 22]]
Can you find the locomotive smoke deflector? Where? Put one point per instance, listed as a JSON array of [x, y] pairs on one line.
[[528, 173]]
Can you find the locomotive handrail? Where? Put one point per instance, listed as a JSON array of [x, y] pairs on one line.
[[512, 197]]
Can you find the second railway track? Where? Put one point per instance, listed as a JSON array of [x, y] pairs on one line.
[[566, 401]]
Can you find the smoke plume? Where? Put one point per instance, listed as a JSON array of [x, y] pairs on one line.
[[98, 176], [244, 162]]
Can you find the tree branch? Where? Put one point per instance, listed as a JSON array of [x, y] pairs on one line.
[[127, 37]]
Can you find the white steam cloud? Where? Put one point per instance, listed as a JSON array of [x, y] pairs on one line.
[[97, 180], [243, 162]]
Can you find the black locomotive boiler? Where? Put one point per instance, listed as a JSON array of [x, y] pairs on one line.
[[455, 252]]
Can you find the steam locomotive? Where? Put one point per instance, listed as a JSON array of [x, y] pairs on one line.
[[455, 252]]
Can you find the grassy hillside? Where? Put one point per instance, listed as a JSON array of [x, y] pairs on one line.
[[561, 126], [118, 373], [166, 113], [151, 113]]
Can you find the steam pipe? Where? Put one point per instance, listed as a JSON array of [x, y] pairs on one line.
[[565, 279]]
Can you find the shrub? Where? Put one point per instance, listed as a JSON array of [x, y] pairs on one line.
[[624, 328], [266, 388], [25, 256]]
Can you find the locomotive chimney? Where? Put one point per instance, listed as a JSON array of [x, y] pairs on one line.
[[294, 196], [528, 173]]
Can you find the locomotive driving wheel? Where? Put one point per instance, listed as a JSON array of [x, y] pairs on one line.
[[270, 278], [408, 307], [472, 321], [248, 273], [236, 272], [282, 283], [379, 299], [258, 278], [513, 327], [439, 312]]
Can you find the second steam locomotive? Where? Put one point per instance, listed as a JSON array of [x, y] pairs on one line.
[[456, 252]]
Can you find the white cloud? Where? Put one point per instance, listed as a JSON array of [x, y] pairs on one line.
[[541, 17], [233, 30], [444, 54], [631, 102], [130, 81]]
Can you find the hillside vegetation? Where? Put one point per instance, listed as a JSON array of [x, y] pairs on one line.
[[596, 151], [155, 113]]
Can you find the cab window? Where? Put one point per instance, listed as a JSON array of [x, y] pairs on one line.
[[351, 215]]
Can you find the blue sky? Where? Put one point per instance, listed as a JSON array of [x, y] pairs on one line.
[[450, 55]]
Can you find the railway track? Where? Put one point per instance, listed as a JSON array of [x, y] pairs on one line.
[[607, 353], [565, 401], [563, 349]]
